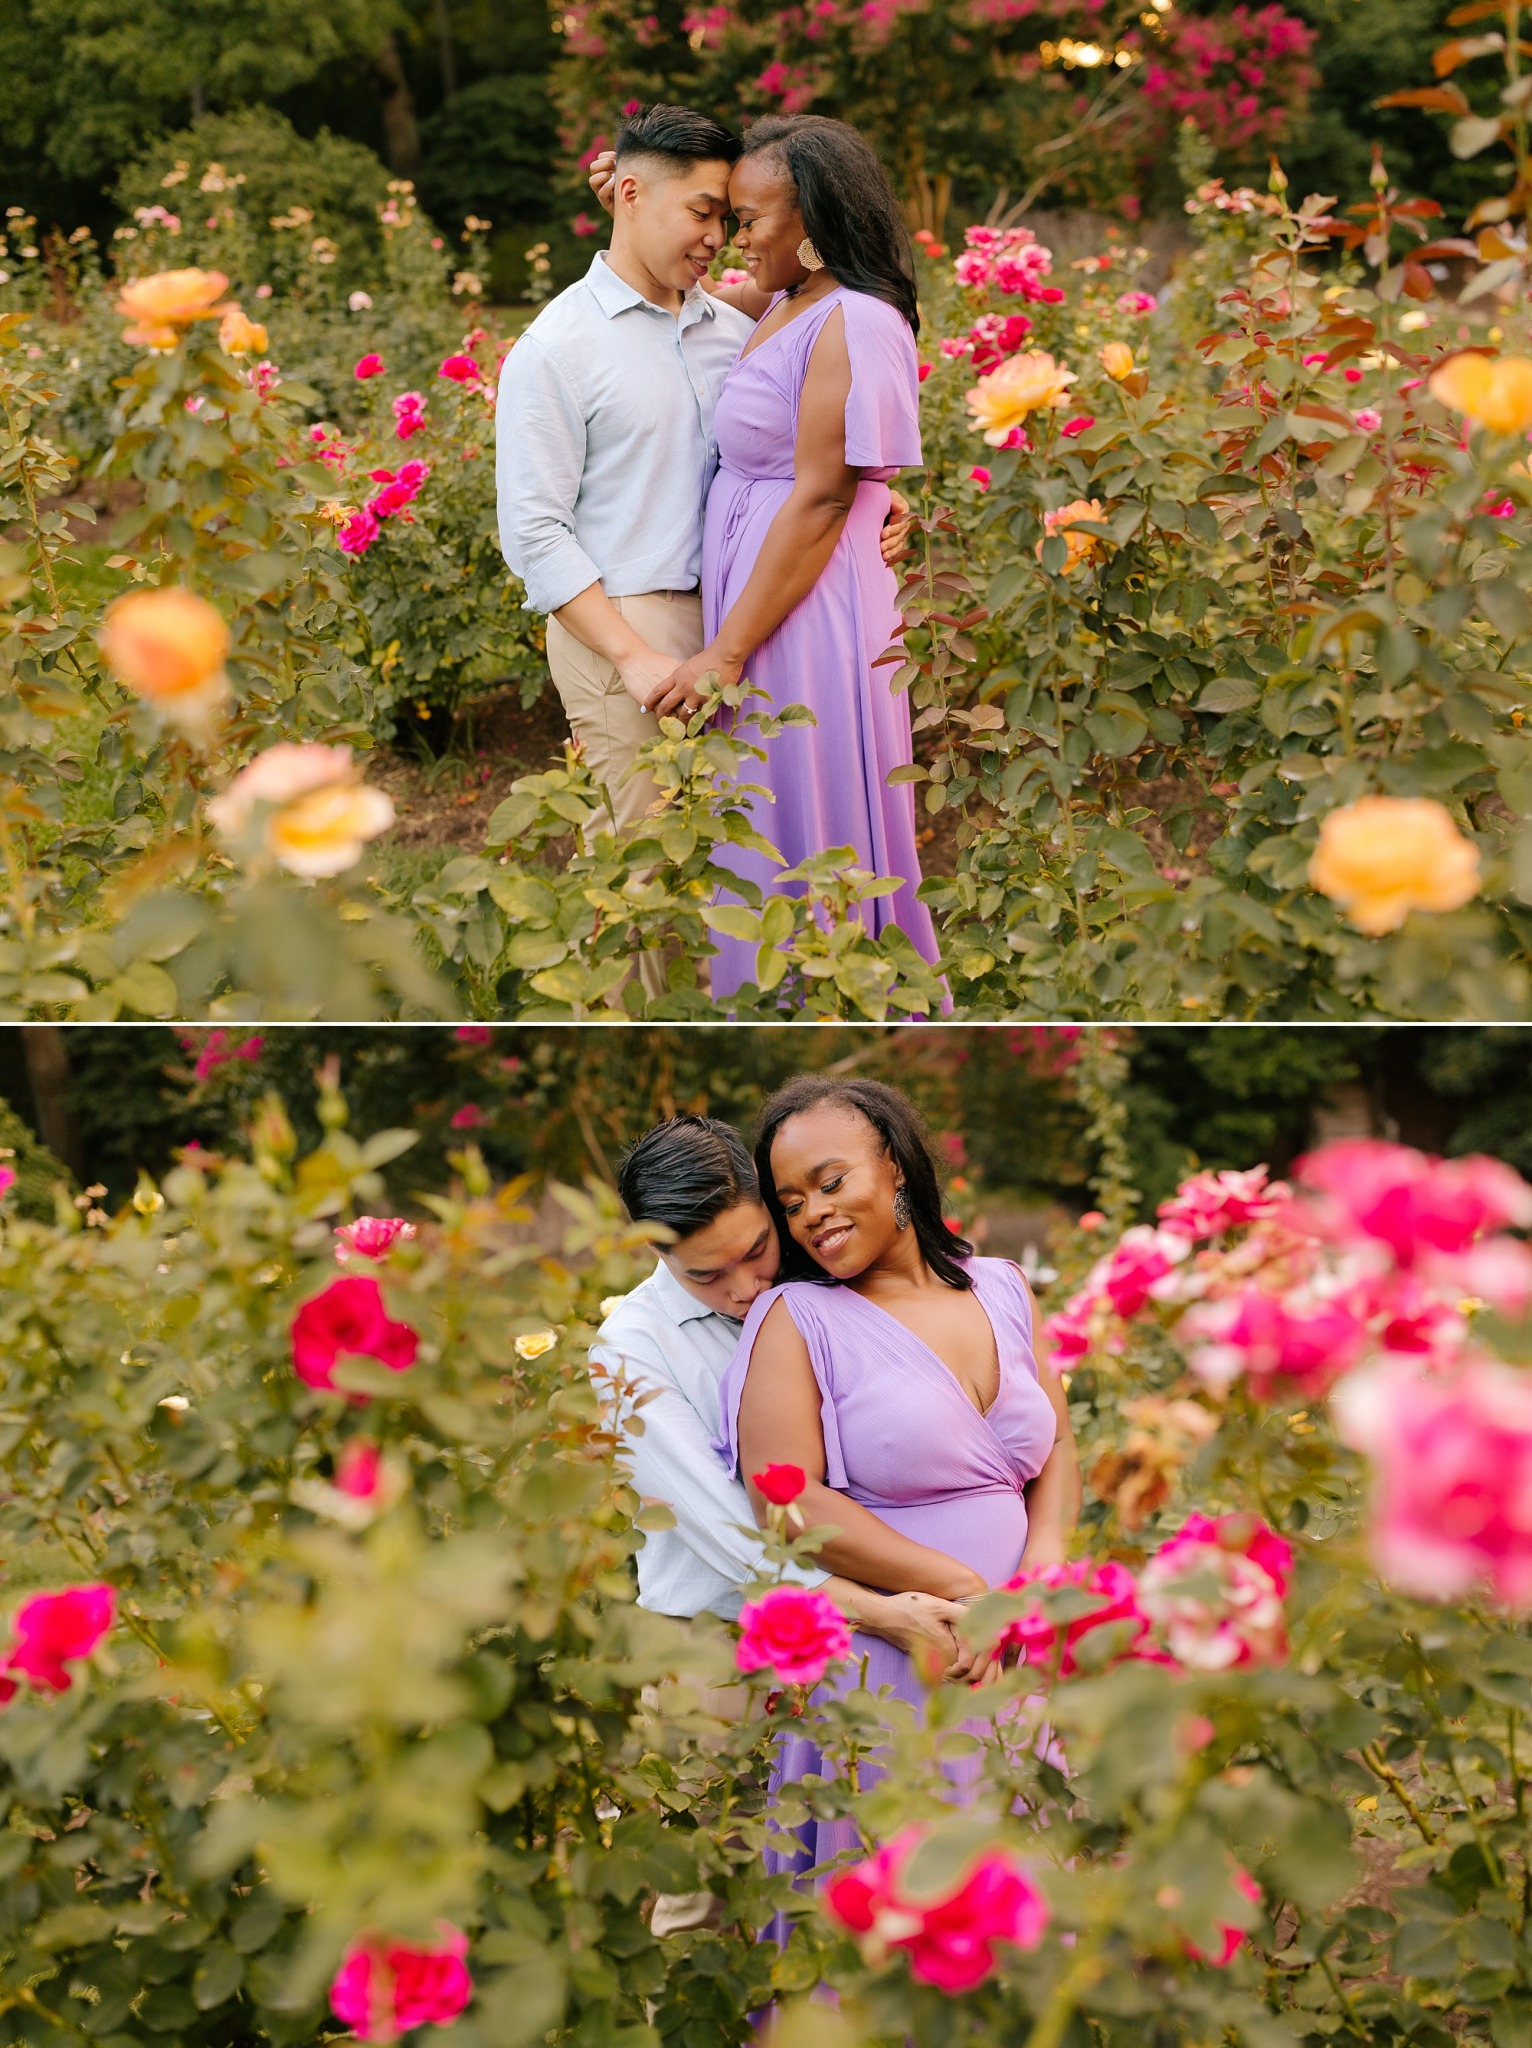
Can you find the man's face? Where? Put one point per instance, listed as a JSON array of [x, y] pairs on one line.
[[674, 221], [729, 1262]]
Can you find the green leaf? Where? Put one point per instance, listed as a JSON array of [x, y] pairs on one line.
[[530, 950], [147, 989], [218, 1976], [734, 921], [1229, 693]]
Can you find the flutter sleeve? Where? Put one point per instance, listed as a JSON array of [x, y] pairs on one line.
[[798, 1299], [883, 410]]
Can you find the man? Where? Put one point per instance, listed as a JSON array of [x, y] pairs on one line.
[[605, 443]]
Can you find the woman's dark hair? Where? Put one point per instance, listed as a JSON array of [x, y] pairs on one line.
[[849, 210], [681, 137], [894, 1117], [685, 1172]]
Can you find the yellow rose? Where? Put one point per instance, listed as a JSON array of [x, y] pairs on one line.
[[1384, 856], [537, 1345], [1082, 547], [305, 807], [1023, 384], [168, 647], [1117, 361], [1492, 391], [239, 336], [161, 305]]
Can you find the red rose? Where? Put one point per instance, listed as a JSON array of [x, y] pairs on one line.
[[780, 1483], [348, 1320]]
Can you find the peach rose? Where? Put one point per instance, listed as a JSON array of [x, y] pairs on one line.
[[1082, 547], [1494, 392], [305, 807], [239, 336], [1384, 856], [161, 305], [1117, 361], [168, 647], [1023, 384]]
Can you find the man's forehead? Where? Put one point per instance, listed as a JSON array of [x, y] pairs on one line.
[[707, 180]]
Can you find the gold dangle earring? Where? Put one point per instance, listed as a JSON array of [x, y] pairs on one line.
[[809, 256]]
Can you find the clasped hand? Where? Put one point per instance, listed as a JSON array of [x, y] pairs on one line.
[[923, 1621]]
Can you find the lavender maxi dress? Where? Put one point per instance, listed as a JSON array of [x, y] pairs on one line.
[[903, 1439], [830, 780]]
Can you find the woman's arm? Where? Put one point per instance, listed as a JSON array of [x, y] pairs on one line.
[[1054, 1496], [779, 1425], [801, 538]]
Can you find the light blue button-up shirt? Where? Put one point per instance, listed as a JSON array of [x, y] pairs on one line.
[[604, 439], [673, 1349]]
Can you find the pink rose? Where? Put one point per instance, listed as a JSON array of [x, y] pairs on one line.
[[477, 1035], [950, 1939], [357, 1469], [980, 476], [469, 1118], [1409, 1201], [358, 534], [7, 1179], [384, 1988], [797, 1631], [1208, 1204], [348, 1320], [409, 414], [1282, 1343], [1367, 419], [1452, 1475], [1143, 1257], [459, 370], [780, 1484], [1137, 302], [1215, 1591], [972, 270], [369, 366], [1042, 1641], [52, 1628], [1081, 424], [371, 1237]]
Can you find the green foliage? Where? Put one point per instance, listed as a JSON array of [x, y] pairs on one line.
[[40, 1178]]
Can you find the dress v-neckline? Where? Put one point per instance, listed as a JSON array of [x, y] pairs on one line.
[[936, 1358], [753, 347]]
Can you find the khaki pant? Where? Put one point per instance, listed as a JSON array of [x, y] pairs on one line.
[[676, 1912], [610, 725]]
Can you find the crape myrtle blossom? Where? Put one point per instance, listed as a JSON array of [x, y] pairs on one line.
[[949, 1937], [1215, 1592]]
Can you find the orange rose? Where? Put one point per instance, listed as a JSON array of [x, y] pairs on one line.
[[1494, 392], [1384, 856], [1117, 361], [1023, 384], [239, 336], [1082, 547], [305, 807], [161, 305], [168, 647]]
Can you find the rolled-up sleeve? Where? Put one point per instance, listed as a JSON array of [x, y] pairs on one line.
[[670, 1458], [539, 461]]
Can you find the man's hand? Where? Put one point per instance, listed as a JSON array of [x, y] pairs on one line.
[[603, 179], [683, 693], [645, 674], [896, 530]]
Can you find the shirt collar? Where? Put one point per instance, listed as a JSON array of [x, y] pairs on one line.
[[678, 1305], [614, 295]]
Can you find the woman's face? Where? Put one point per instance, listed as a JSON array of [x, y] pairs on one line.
[[836, 1184], [764, 200]]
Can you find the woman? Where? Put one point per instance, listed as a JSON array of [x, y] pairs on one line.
[[897, 1370], [821, 409]]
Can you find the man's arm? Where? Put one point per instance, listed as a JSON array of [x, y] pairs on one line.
[[539, 461], [671, 1459]]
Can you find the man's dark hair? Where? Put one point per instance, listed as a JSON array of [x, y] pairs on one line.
[[849, 210], [895, 1119], [685, 1172], [678, 135]]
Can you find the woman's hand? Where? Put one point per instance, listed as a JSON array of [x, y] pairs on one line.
[[603, 179], [683, 692], [895, 541], [925, 1628]]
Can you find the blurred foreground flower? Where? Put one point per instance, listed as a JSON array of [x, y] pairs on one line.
[[305, 807], [1452, 1475], [949, 1937], [371, 1237], [1232, 1936], [168, 646], [1024, 384], [385, 1988], [1384, 856], [241, 336], [537, 1345], [52, 1629], [799, 1633], [348, 1320], [1045, 1643], [1117, 361], [1216, 1593], [1493, 391], [160, 306]]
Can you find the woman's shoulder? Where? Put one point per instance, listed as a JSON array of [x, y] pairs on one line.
[[869, 314]]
